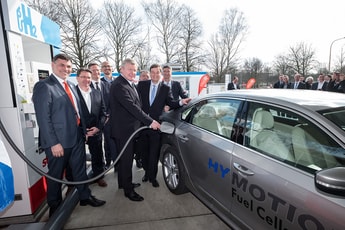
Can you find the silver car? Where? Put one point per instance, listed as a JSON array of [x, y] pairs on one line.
[[261, 158]]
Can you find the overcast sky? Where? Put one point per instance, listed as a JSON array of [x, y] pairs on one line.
[[275, 25]]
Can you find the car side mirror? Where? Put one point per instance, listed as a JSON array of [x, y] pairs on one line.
[[167, 127], [331, 181]]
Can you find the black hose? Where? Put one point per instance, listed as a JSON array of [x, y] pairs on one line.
[[42, 173]]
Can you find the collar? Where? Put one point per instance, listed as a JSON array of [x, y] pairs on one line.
[[85, 92]]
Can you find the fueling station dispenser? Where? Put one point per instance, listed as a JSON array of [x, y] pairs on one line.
[[28, 41]]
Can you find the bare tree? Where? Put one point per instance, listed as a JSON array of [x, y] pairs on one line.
[[191, 31], [122, 28], [224, 46], [165, 18], [340, 62], [254, 67], [282, 65], [144, 56], [80, 28], [49, 8], [301, 58], [217, 55]]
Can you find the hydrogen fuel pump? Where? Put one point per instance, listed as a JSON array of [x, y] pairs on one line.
[[28, 41]]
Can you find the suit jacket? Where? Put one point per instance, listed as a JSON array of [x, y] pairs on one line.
[[324, 86], [231, 86], [177, 90], [97, 116], [336, 87], [105, 89], [301, 85], [278, 85], [106, 80], [126, 114], [163, 97], [56, 115]]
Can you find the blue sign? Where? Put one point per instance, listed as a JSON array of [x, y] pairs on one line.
[[27, 21], [6, 179]]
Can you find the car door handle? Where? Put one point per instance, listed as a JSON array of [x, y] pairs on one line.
[[183, 138], [243, 169]]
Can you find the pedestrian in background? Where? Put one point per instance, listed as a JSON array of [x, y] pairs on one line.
[[234, 84]]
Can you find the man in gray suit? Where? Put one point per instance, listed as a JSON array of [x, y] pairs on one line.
[[62, 132]]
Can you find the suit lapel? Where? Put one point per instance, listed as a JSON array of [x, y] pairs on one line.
[[132, 90]]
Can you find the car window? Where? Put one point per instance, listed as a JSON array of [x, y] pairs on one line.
[[291, 138], [216, 115], [335, 115]]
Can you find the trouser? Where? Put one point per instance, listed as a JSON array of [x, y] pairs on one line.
[[96, 151], [75, 158]]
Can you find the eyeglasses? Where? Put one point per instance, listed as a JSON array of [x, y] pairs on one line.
[[106, 66]]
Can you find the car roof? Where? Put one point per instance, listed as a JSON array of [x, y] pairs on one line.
[[311, 99]]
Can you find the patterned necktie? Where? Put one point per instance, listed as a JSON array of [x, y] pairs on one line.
[[69, 93], [153, 94]]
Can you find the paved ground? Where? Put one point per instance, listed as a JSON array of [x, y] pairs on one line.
[[160, 209]]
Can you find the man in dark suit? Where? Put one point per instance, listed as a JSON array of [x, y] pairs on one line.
[[337, 83], [234, 84], [175, 86], [110, 151], [298, 84], [126, 116], [154, 96], [280, 83], [93, 109], [321, 84], [62, 132]]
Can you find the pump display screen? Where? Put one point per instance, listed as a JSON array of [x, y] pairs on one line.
[[43, 74]]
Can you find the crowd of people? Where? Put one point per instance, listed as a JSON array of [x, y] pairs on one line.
[[332, 83], [102, 113], [325, 82]]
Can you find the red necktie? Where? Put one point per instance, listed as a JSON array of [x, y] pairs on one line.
[[69, 93]]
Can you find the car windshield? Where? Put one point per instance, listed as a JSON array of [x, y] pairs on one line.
[[336, 116]]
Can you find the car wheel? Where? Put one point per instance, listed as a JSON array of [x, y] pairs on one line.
[[173, 172]]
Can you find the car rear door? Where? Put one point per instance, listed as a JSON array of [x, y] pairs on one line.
[[266, 194], [274, 190]]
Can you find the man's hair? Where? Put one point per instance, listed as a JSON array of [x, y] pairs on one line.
[[83, 70], [128, 61], [61, 56], [167, 67], [91, 64], [155, 66]]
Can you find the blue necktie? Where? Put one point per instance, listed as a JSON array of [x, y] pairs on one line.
[[153, 94]]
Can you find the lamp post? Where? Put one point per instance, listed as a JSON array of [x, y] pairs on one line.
[[330, 53]]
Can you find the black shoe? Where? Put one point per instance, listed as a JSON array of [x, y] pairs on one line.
[[145, 178], [135, 185], [155, 183], [133, 196], [92, 201]]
